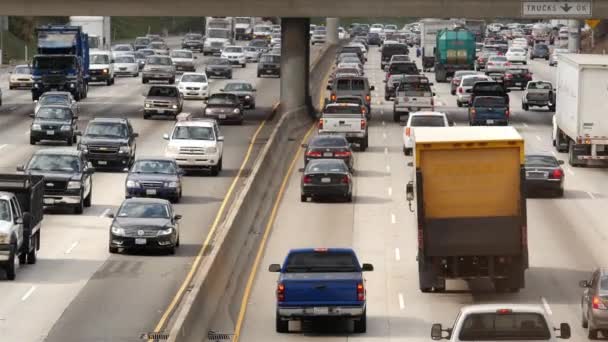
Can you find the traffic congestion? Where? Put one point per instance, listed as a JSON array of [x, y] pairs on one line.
[[441, 188]]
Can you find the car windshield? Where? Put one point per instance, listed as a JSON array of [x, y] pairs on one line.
[[238, 87], [517, 71], [106, 129], [427, 121], [157, 60], [165, 167], [518, 326], [100, 59], [5, 211], [539, 85], [233, 49], [143, 210], [158, 46], [351, 84], [342, 109], [223, 99], [54, 162], [55, 62], [347, 71], [23, 70], [139, 55], [353, 100], [181, 54], [125, 59], [219, 61], [194, 78], [147, 52], [489, 102], [54, 113], [258, 43], [270, 59], [517, 50], [541, 161], [498, 59], [303, 262], [541, 47], [163, 91], [403, 68], [122, 48], [323, 141], [193, 36], [218, 33], [250, 49], [400, 58], [326, 166], [142, 41], [193, 133], [54, 99]]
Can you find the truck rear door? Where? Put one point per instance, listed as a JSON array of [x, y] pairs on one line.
[[342, 123], [321, 288]]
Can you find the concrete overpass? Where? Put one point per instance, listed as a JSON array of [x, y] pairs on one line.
[[279, 8]]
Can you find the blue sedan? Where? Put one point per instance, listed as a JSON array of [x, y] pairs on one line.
[[155, 177]]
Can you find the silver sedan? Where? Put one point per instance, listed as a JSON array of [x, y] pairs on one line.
[[497, 64]]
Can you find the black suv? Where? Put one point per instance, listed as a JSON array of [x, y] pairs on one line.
[[68, 180], [269, 65], [54, 122], [109, 142]]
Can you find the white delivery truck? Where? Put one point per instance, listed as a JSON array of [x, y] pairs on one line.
[[580, 123], [98, 29], [428, 39]]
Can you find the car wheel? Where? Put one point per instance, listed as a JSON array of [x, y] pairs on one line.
[[109, 82], [172, 80], [113, 250], [22, 258], [177, 242], [79, 208], [144, 80], [69, 141], [10, 264], [303, 198], [259, 76], [591, 334], [408, 151], [349, 197], [525, 106], [33, 141], [171, 250], [136, 74], [220, 164], [32, 256], [396, 117], [458, 104], [559, 193], [146, 116], [361, 324], [230, 76], [281, 326], [89, 198], [215, 170]]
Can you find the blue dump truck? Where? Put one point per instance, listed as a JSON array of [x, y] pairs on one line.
[[455, 51], [321, 283], [61, 62]]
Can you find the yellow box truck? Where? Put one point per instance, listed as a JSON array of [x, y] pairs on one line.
[[471, 206]]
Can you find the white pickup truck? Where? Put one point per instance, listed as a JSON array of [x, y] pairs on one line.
[[413, 94], [347, 119], [501, 322]]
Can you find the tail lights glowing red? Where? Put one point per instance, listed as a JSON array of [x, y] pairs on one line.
[[363, 124], [460, 90], [557, 174], [598, 303], [507, 112], [342, 154], [368, 98], [360, 292], [345, 180], [281, 292], [408, 131], [307, 179], [313, 154], [333, 97], [320, 125]]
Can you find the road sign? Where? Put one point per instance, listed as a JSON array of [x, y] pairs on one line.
[[592, 22], [557, 9]]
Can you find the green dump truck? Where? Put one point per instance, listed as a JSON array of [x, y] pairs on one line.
[[455, 51]]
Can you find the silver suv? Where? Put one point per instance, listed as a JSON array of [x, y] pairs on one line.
[[158, 68]]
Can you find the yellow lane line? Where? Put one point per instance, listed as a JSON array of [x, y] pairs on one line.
[[267, 229], [218, 217]]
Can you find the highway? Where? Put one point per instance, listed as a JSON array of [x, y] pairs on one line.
[[78, 291], [566, 236]]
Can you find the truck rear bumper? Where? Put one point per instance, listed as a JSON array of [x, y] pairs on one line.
[[322, 311], [61, 200], [5, 252]]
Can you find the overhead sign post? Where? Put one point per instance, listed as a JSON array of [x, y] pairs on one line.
[[573, 9]]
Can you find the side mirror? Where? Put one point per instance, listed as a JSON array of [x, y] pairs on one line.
[[21, 168], [220, 138], [177, 217], [564, 331], [135, 135], [584, 284], [91, 170], [328, 87], [19, 220], [274, 268], [409, 191], [110, 215], [222, 90], [367, 267], [372, 88], [254, 90], [166, 136], [560, 162], [436, 332], [304, 145]]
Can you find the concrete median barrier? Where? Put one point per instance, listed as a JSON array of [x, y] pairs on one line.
[[219, 281]]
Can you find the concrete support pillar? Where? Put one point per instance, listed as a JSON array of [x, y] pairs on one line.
[[574, 38], [332, 30], [107, 33], [295, 61]]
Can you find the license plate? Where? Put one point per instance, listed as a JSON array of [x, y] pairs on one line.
[[222, 116], [320, 311], [102, 162], [414, 108], [489, 122], [93, 78], [140, 241], [269, 71], [326, 180], [50, 132], [123, 69], [518, 83], [218, 73], [192, 94], [328, 154], [49, 201], [150, 191]]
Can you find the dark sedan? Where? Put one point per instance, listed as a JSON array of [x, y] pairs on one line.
[[261, 44], [269, 65], [517, 77], [224, 107], [373, 38], [219, 67], [326, 178], [329, 146], [544, 175], [155, 177], [244, 90], [144, 223], [54, 122]]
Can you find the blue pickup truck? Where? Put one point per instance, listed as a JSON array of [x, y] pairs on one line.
[[317, 283]]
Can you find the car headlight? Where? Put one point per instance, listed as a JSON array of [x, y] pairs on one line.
[[118, 231], [171, 184], [182, 88], [211, 149], [5, 238], [36, 85], [167, 231], [236, 111], [172, 149], [74, 185], [147, 105], [132, 184], [66, 127], [124, 149], [36, 127], [204, 87], [105, 71], [174, 106], [247, 97], [207, 111]]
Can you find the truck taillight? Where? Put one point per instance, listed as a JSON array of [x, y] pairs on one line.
[[408, 131], [363, 124], [320, 125], [333, 97], [280, 292], [460, 90], [507, 112], [598, 303], [360, 292]]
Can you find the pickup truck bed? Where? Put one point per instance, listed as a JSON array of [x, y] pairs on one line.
[[346, 119]]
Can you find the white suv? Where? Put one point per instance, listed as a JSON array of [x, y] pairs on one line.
[[196, 144], [421, 119], [235, 54]]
